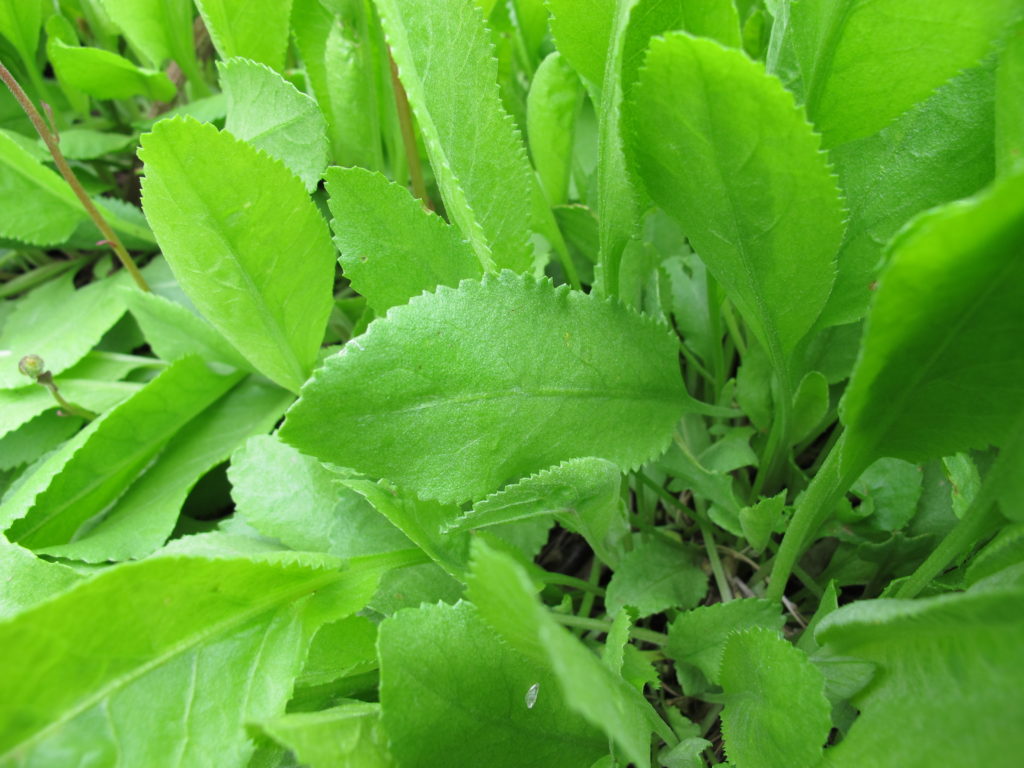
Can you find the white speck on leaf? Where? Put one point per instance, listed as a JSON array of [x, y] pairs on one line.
[[531, 695]]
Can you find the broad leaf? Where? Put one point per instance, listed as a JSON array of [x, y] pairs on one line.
[[941, 367], [744, 176], [244, 240], [255, 29], [954, 661], [166, 636], [776, 714], [447, 66], [267, 111], [656, 575], [462, 390], [350, 734], [452, 688], [106, 75], [839, 56], [391, 247], [39, 207]]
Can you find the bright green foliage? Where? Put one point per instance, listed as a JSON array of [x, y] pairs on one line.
[[655, 575], [760, 521], [60, 324], [298, 501], [26, 580], [260, 272], [451, 686], [115, 453], [889, 491], [106, 75], [582, 30], [162, 634], [551, 108], [267, 111], [254, 29], [141, 520], [939, 658], [839, 56], [454, 394], [39, 207], [20, 22], [1010, 104], [744, 177], [349, 734], [776, 714], [85, 144], [391, 247], [483, 173], [158, 29], [951, 277], [584, 495]]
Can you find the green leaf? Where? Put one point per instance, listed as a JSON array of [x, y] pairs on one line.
[[141, 520], [506, 599], [20, 22], [267, 111], [744, 176], [169, 636], [245, 242], [954, 661], [26, 580], [938, 151], [119, 446], [582, 30], [551, 106], [452, 691], [60, 324], [761, 520], [941, 367], [1010, 104], [391, 247], [584, 494], [810, 406], [475, 151], [776, 714], [839, 56], [697, 638], [656, 575], [254, 29], [86, 144], [350, 734], [461, 391], [295, 499], [39, 207], [890, 490], [158, 29], [105, 75]]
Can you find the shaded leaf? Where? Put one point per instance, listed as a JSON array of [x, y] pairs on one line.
[[656, 575], [551, 107], [349, 734]]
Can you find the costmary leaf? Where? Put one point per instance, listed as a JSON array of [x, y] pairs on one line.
[[447, 66], [941, 367], [744, 176], [451, 686], [839, 56], [255, 29], [462, 390], [776, 714], [955, 661], [246, 243], [656, 575], [267, 111], [391, 247], [106, 75], [161, 635], [350, 734]]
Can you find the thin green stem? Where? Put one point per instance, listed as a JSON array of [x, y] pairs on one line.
[[587, 603], [715, 328], [778, 438], [51, 140], [563, 579], [46, 379], [708, 536], [599, 625]]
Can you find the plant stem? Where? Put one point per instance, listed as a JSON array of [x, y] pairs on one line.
[[778, 438], [599, 625], [412, 154], [46, 380], [817, 502], [708, 536], [51, 140]]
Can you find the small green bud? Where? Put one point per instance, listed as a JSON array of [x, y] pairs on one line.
[[32, 366]]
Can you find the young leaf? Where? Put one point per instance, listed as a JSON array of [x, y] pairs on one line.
[[474, 149], [349, 734], [255, 29], [941, 368], [244, 240], [163, 634], [267, 111], [776, 714], [954, 661], [106, 75], [462, 390], [119, 446], [39, 207], [744, 176], [656, 575], [142, 519], [391, 247], [582, 30], [551, 106], [450, 686], [839, 55]]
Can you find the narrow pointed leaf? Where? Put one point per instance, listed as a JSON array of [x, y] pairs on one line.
[[476, 153], [106, 75], [551, 107], [245, 242], [582, 30], [462, 390]]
